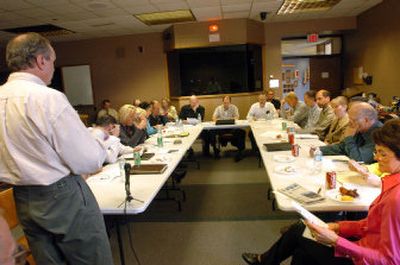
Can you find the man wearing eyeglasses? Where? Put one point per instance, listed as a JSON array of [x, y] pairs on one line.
[[357, 143]]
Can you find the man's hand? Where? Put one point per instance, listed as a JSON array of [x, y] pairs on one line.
[[324, 235]]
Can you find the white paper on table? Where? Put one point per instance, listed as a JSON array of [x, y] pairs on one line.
[[306, 136], [192, 121], [274, 135]]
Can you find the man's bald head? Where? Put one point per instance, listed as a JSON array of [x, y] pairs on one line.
[[194, 101], [363, 115]]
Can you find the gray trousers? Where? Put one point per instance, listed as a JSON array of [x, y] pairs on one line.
[[63, 223]]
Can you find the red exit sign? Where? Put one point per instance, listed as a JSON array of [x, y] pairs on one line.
[[312, 37]]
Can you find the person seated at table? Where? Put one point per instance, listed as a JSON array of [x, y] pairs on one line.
[[340, 122], [314, 110], [133, 128], [377, 237], [155, 117], [192, 111], [228, 111], [261, 110], [357, 143], [270, 93], [298, 110], [106, 109], [326, 115], [167, 110], [145, 110], [107, 132]]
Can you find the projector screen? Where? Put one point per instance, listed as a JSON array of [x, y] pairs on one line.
[[77, 84]]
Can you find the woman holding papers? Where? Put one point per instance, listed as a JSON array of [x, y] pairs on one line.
[[376, 238]]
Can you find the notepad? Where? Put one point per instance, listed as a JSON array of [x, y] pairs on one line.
[[149, 169], [273, 147], [225, 122]]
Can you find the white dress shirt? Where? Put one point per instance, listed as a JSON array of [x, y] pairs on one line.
[[111, 143], [257, 112], [42, 138]]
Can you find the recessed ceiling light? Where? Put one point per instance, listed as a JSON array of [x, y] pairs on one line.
[[168, 17], [45, 30], [301, 6]]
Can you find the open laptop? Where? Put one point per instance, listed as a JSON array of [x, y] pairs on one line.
[[225, 122]]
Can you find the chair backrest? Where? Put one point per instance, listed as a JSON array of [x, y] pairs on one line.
[[7, 203]]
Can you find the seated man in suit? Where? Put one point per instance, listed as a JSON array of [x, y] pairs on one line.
[[194, 110], [228, 111], [357, 143], [326, 115]]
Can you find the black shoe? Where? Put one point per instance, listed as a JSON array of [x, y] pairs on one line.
[[251, 258], [238, 157], [216, 153]]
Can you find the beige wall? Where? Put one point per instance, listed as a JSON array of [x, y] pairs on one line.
[[274, 32], [119, 71], [376, 47], [242, 101]]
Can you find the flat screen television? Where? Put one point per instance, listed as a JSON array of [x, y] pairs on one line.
[[215, 70]]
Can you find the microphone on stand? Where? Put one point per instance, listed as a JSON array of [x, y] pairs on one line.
[[127, 168]]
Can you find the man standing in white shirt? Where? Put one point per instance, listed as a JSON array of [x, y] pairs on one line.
[[258, 111], [45, 149]]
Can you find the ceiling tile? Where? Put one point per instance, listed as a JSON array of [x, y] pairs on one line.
[[203, 3], [171, 6], [236, 7], [241, 14]]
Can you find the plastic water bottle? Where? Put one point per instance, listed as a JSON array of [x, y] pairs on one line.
[[160, 139], [317, 160], [199, 117], [121, 163]]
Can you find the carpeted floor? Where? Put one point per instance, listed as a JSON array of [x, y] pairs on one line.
[[226, 213]]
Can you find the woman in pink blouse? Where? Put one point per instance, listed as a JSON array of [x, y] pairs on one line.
[[375, 239]]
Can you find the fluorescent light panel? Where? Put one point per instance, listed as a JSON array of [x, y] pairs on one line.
[[168, 17], [303, 6]]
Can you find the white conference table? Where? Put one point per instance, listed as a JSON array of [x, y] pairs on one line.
[[210, 125], [109, 187], [265, 132]]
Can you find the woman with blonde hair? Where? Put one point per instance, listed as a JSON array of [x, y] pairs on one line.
[[340, 122], [133, 127], [168, 110]]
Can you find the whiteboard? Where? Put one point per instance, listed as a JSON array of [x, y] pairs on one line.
[[77, 84]]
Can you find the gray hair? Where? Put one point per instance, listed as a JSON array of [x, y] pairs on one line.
[[22, 50], [364, 110]]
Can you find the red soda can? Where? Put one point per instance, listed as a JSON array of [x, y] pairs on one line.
[[295, 150], [330, 182], [291, 138]]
